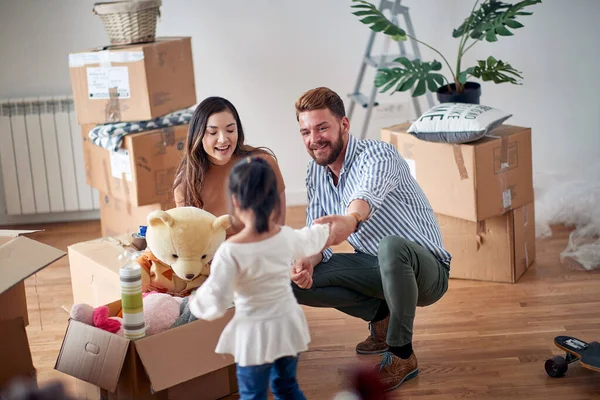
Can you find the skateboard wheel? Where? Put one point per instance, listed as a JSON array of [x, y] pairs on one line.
[[556, 366]]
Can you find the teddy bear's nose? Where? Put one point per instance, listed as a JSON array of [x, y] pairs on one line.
[[189, 276]]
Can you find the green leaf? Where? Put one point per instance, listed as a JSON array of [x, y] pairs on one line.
[[404, 61], [511, 23], [438, 78], [494, 18], [431, 84], [502, 31], [404, 77], [491, 36], [370, 19], [420, 89], [408, 83], [464, 75], [377, 21], [493, 70]]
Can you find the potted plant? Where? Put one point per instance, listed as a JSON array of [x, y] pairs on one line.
[[487, 22]]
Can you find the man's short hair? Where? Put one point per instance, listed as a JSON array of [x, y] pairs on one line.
[[320, 98]]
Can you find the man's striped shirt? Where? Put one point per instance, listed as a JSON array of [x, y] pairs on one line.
[[375, 171]]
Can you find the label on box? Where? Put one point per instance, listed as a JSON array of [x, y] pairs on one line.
[[412, 166], [507, 198], [101, 79], [120, 164]]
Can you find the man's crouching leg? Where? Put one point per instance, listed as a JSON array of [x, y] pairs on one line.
[[411, 277]]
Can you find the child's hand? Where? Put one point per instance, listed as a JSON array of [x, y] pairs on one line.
[[302, 271]]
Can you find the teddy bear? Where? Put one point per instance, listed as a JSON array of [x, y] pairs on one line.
[[181, 243]]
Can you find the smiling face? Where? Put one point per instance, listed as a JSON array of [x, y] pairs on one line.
[[220, 138], [323, 134]]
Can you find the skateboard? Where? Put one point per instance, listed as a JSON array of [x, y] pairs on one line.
[[588, 355]]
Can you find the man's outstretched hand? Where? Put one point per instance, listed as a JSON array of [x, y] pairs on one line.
[[341, 227]]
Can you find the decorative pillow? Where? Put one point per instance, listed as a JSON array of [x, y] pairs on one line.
[[457, 122]]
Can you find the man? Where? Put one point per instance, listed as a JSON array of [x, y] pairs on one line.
[[364, 189]]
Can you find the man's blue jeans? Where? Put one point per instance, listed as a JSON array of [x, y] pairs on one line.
[[254, 381]]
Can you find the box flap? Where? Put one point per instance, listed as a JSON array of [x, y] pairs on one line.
[[22, 257], [6, 235], [92, 355], [191, 352], [14, 347]]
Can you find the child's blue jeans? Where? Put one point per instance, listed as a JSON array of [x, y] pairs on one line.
[[254, 381]]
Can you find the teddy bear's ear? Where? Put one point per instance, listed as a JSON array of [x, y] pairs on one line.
[[159, 217], [224, 221]]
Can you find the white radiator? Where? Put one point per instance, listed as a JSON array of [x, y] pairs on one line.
[[42, 158]]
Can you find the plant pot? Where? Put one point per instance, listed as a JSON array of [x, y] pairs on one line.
[[471, 94]]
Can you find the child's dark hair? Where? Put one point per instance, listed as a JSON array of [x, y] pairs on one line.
[[253, 183]]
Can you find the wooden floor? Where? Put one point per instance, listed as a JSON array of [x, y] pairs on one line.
[[481, 341]]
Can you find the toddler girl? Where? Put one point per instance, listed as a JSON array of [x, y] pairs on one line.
[[252, 270]]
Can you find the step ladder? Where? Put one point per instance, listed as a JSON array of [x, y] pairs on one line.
[[382, 61]]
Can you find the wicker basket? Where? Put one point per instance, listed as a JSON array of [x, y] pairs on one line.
[[128, 22]]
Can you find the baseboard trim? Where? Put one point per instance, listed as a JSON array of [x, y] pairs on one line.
[[18, 220]]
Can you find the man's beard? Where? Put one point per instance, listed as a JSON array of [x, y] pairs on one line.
[[335, 147]]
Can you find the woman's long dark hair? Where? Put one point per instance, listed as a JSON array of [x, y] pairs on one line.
[[189, 177], [253, 183]]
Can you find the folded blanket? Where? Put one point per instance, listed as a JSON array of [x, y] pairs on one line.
[[110, 136]]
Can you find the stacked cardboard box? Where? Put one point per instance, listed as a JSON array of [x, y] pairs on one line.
[[482, 194], [133, 83]]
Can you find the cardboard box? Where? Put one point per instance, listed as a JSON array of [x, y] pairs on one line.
[[473, 181], [20, 257], [161, 366], [499, 249], [135, 82], [94, 267], [142, 172], [118, 217]]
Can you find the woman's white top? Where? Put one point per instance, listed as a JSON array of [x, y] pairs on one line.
[[268, 322]]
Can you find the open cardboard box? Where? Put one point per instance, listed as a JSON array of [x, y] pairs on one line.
[[173, 364], [20, 257]]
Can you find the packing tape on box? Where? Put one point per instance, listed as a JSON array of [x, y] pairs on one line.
[[526, 226], [460, 161], [106, 174], [479, 234], [503, 164], [112, 110], [167, 136], [104, 56]]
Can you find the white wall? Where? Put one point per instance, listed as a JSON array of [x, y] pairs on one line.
[[263, 54]]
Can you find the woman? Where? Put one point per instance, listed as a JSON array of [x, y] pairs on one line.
[[215, 143]]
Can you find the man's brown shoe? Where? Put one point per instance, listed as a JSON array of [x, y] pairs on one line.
[[394, 371], [376, 342]]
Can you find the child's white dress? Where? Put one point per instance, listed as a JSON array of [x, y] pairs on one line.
[[268, 322]]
